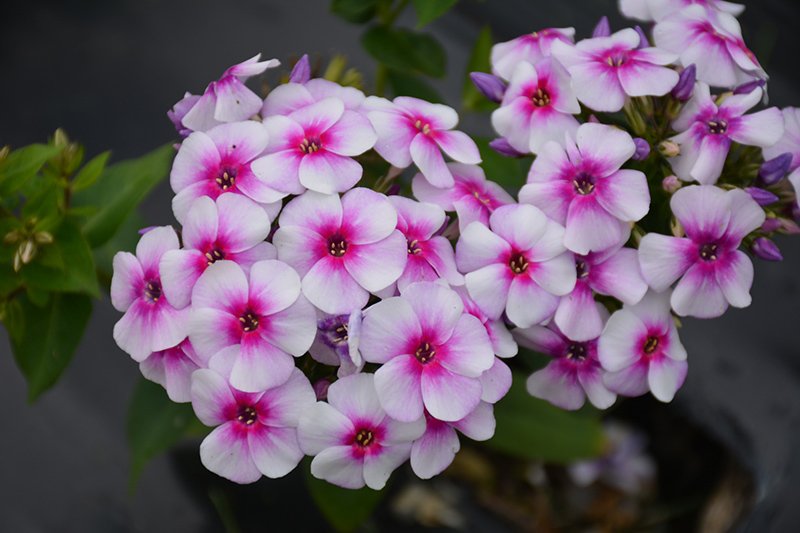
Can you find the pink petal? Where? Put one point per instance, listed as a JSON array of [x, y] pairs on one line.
[[557, 387], [625, 195], [292, 329], [352, 135], [200, 117], [550, 125], [630, 381], [318, 117], [240, 141], [368, 216], [387, 329], [286, 98], [127, 282], [425, 192], [541, 339], [698, 294], [665, 376], [300, 247], [528, 303], [197, 157], [328, 173], [275, 451], [439, 116], [242, 223], [426, 155], [338, 466], [665, 259], [459, 146], [179, 271], [591, 228], [478, 247], [222, 286], [468, 352], [401, 432], [437, 308], [607, 147], [274, 286], [283, 406], [378, 467], [439, 253], [479, 424], [211, 330], [433, 453], [211, 397], [200, 224], [448, 396], [618, 347], [376, 266], [512, 121], [395, 134], [596, 391], [417, 220], [519, 225], [489, 287], [321, 426], [597, 86], [235, 102], [552, 197], [620, 276], [226, 453], [355, 397], [312, 210], [640, 78], [172, 369], [713, 152], [153, 245], [577, 315], [278, 171], [398, 383], [495, 382], [557, 275], [735, 278], [746, 216], [331, 288], [703, 211]]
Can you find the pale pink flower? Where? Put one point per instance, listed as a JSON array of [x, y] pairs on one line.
[[289, 97], [607, 70], [432, 353], [707, 129], [353, 441], [518, 264], [172, 369], [472, 196], [530, 48], [255, 433], [583, 187], [789, 143], [151, 323], [537, 106], [641, 351], [713, 272], [313, 148], [233, 228], [249, 327], [503, 343], [413, 130], [650, 10], [343, 248]]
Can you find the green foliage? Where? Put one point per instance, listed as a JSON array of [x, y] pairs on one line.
[[356, 11], [430, 10], [90, 172], [411, 85], [471, 98], [23, 164], [530, 428], [509, 172], [344, 509], [405, 50]]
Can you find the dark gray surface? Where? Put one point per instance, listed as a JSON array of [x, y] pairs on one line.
[[108, 71]]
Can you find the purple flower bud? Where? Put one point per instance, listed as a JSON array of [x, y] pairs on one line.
[[146, 229], [179, 110], [643, 41], [750, 86], [766, 249], [603, 28], [489, 85], [770, 225], [642, 149], [393, 190], [321, 389], [671, 184], [501, 146], [685, 87], [773, 170], [761, 196], [593, 119], [301, 72]]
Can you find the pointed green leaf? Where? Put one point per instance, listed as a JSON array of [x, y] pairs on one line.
[[411, 85], [355, 11], [23, 164], [90, 172], [471, 98], [430, 10], [406, 51], [344, 509]]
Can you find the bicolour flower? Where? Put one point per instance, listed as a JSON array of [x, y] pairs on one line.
[[255, 433], [537, 106], [518, 264], [343, 248], [432, 353], [430, 256], [789, 143], [438, 446], [249, 327], [151, 323], [472, 196], [606, 70], [218, 161], [649, 10], [712, 41], [503, 343], [530, 48], [713, 272], [706, 131], [641, 350], [574, 373], [583, 188], [353, 441], [614, 272], [233, 228], [289, 97], [172, 369], [337, 342], [313, 148], [228, 99], [413, 130]]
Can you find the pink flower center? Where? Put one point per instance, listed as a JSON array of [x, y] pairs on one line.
[[214, 255], [577, 352], [249, 321], [617, 59], [717, 126], [485, 200], [364, 438], [541, 98], [423, 127], [152, 291], [310, 145], [227, 178], [413, 247], [518, 263], [581, 268], [708, 252], [425, 353], [337, 246], [583, 184], [247, 415], [651, 344]]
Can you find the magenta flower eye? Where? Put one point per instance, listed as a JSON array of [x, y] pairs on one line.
[[247, 415], [717, 127], [425, 353], [337, 246], [214, 255], [583, 184], [152, 291], [249, 321], [226, 178], [650, 344], [310, 146], [364, 438], [541, 98], [517, 263], [708, 252], [576, 352]]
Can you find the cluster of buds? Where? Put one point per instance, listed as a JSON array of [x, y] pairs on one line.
[[401, 314]]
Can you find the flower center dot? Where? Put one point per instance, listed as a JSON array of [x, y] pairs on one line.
[[249, 321], [541, 98], [152, 291], [247, 415], [413, 247], [364, 438], [583, 184], [576, 351], [226, 179], [337, 246], [425, 353], [517, 263], [616, 60], [309, 146], [424, 127], [717, 126], [708, 252], [650, 345], [581, 269], [214, 255], [482, 199]]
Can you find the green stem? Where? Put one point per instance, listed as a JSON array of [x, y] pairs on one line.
[[381, 76]]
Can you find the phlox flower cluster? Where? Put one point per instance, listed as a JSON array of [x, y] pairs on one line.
[[402, 296]]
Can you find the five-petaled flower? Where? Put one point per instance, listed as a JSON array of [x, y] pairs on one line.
[[529, 48]]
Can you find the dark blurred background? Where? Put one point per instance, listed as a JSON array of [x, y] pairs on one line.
[[107, 71]]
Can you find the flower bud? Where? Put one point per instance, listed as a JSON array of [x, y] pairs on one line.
[[603, 28], [501, 146], [750, 86], [671, 184], [643, 41], [593, 119], [642, 149], [685, 87], [489, 85], [301, 72], [12, 237], [146, 229], [770, 225], [43, 237], [766, 249], [60, 138], [4, 151], [773, 170], [669, 148], [321, 388], [761, 196]]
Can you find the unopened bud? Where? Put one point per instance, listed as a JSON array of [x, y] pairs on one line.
[[773, 170], [12, 237], [761, 196], [766, 249], [603, 28], [43, 237], [502, 147], [642, 149], [750, 86], [643, 41], [60, 138], [321, 388], [593, 119], [4, 151], [27, 251], [489, 85], [671, 184], [677, 228], [685, 87], [301, 72], [669, 148], [770, 225]]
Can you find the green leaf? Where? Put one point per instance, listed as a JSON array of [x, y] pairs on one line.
[[90, 172], [533, 429], [125, 239], [344, 509], [356, 11], [66, 265], [471, 98], [44, 339], [430, 10], [23, 164], [410, 85], [120, 188], [155, 424], [406, 51], [509, 172]]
